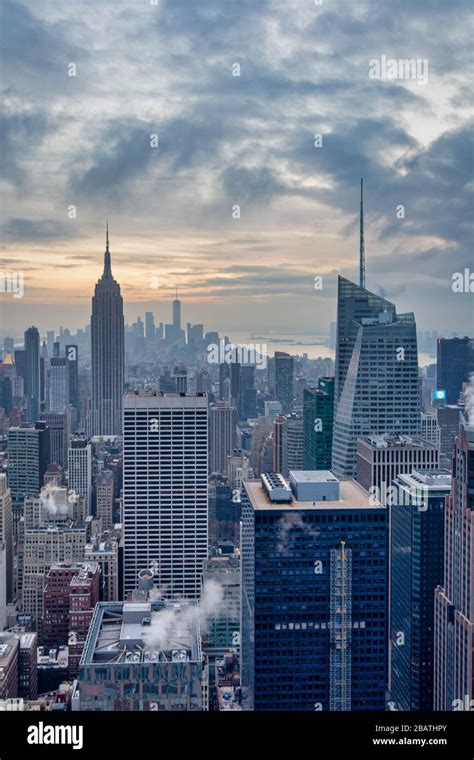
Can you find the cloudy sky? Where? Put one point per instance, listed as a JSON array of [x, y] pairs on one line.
[[165, 71]]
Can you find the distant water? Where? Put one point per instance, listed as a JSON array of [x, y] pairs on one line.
[[313, 345]]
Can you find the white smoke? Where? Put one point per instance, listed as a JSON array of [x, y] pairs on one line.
[[469, 400], [287, 524], [176, 622], [52, 499]]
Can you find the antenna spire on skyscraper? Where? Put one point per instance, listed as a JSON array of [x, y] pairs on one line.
[[107, 265], [361, 238]]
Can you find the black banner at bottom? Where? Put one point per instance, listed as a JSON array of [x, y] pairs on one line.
[[99, 735]]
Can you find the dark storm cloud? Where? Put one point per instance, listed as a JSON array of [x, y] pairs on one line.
[[27, 230], [20, 134], [35, 52]]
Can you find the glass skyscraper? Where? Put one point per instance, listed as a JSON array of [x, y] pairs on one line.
[[377, 389], [417, 541], [284, 385], [318, 419], [455, 362], [314, 594]]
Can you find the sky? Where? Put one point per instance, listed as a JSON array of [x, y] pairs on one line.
[[191, 125]]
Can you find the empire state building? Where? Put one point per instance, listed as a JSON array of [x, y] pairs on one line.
[[107, 353]]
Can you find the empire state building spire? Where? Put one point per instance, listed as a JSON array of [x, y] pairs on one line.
[[107, 275]]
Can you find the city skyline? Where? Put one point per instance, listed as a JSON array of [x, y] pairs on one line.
[[170, 207], [237, 366]]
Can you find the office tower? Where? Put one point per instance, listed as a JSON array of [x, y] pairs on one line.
[[332, 335], [377, 389], [58, 385], [165, 451], [149, 326], [430, 430], [277, 444], [45, 545], [141, 671], [54, 505], [50, 341], [72, 356], [284, 384], [138, 329], [167, 383], [224, 382], [224, 510], [9, 649], [70, 594], [6, 394], [455, 362], [380, 458], [32, 376], [261, 451], [417, 540], [273, 409], [238, 468], [79, 469], [104, 549], [83, 597], [454, 599], [54, 475], [448, 418], [3, 586], [54, 624], [177, 313], [235, 380], [318, 419], [291, 444], [28, 458], [20, 365], [44, 376], [223, 627], [180, 377], [6, 534], [27, 665], [58, 426], [105, 499], [247, 392], [195, 336], [314, 594], [8, 346], [222, 428], [107, 353]]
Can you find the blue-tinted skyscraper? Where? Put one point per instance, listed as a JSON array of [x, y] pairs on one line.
[[417, 542], [32, 373], [284, 384], [318, 422], [314, 594], [455, 362]]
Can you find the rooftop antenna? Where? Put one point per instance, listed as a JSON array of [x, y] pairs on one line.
[[361, 238]]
